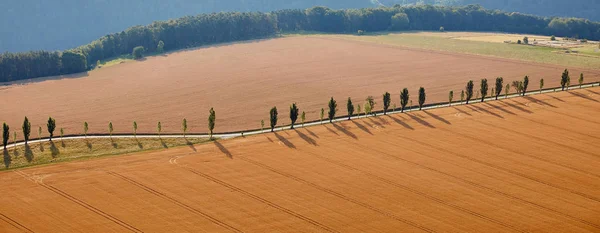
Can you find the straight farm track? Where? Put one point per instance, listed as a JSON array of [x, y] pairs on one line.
[[525, 164], [243, 81]]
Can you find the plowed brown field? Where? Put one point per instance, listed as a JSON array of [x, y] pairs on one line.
[[243, 81], [527, 164]]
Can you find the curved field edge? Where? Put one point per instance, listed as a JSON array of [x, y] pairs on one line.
[[448, 42]]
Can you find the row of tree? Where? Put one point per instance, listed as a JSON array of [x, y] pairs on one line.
[[213, 28]]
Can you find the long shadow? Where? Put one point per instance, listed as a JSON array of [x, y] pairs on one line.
[[7, 159], [461, 111], [538, 101], [362, 127], [311, 133], [488, 111], [515, 106], [593, 92], [345, 131], [285, 141], [41, 144], [89, 145], [16, 152], [420, 121], [139, 144], [62, 143], [556, 98], [472, 109], [28, 153], [439, 118], [164, 145], [332, 131], [54, 150], [582, 96], [382, 120], [375, 122], [500, 108], [223, 149], [113, 143], [191, 145], [306, 138], [402, 123]]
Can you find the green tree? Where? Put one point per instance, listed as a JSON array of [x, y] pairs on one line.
[[526, 40], [184, 126], [73, 62], [322, 115], [564, 79], [62, 134], [294, 111], [211, 121], [273, 117], [303, 118], [422, 97], [371, 102], [51, 126], [135, 127], [358, 110], [26, 129], [442, 29], [553, 38], [462, 96], [159, 128], [262, 125], [110, 129], [525, 84], [386, 102], [160, 48], [580, 80], [541, 85], [368, 109], [506, 90], [85, 128], [40, 133], [138, 52], [332, 109], [499, 85], [450, 97], [400, 21], [350, 108], [15, 140], [469, 88], [484, 89], [5, 135], [404, 98]]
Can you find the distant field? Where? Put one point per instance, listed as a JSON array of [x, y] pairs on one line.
[[527, 164], [487, 44], [243, 81]]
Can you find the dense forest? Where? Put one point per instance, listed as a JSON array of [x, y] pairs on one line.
[[213, 28], [27, 25]]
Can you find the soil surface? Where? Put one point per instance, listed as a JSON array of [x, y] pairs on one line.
[[528, 164], [243, 81]]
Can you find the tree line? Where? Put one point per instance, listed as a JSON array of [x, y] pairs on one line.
[[352, 109], [203, 29]]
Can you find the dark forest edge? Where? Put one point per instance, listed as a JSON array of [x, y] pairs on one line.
[[206, 29]]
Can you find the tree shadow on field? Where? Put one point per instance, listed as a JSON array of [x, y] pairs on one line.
[[89, 145], [332, 131], [556, 98], [306, 138], [402, 123], [139, 144], [41, 144], [28, 153], [164, 145], [583, 96], [223, 149], [420, 121], [539, 101], [488, 111], [593, 92], [437, 117], [515, 105], [345, 131], [191, 145], [285, 141], [16, 152], [7, 159], [311, 133], [500, 108], [461, 111], [62, 143], [54, 150], [362, 127], [375, 122]]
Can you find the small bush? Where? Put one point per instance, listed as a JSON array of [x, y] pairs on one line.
[[138, 52], [360, 32], [553, 38], [442, 29]]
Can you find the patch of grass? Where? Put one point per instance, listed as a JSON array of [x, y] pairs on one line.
[[448, 42], [68, 150], [115, 60]]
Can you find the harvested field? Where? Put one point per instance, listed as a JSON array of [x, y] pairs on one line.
[[243, 81], [528, 164]]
